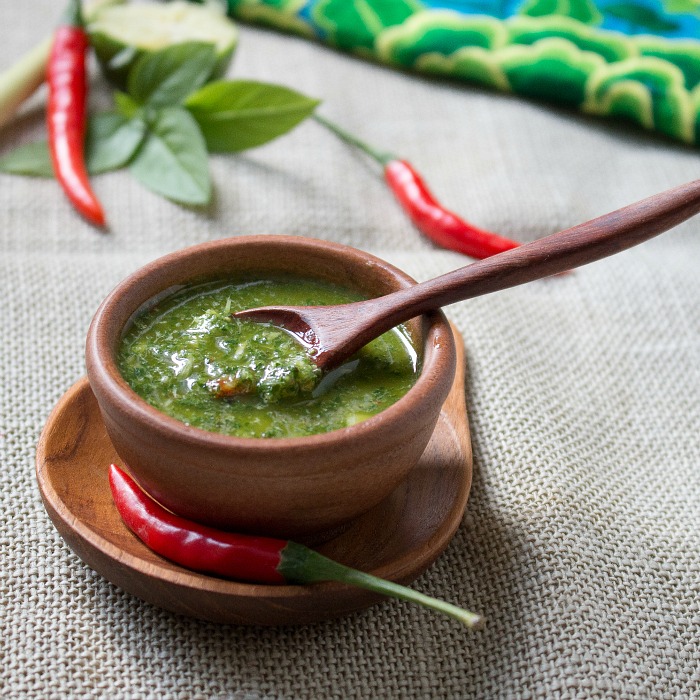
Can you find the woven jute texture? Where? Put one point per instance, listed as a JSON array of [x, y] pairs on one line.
[[581, 539]]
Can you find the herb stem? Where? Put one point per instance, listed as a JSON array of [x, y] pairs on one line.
[[304, 565]]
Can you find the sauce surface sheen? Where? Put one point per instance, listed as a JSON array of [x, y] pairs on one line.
[[187, 357]]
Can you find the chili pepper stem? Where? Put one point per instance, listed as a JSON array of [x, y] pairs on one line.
[[300, 564], [381, 158], [73, 15]]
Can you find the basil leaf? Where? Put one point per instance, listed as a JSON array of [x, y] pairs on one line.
[[173, 158], [167, 76], [28, 159], [126, 105], [111, 141], [239, 114]]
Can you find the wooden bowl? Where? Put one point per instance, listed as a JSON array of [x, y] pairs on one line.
[[288, 487]]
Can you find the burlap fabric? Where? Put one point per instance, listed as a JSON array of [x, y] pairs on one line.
[[581, 539]]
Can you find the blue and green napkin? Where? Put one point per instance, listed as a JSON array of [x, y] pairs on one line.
[[632, 59]]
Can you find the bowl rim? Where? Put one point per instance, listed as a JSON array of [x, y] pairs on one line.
[[102, 366]]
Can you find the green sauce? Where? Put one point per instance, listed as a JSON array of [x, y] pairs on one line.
[[187, 357]]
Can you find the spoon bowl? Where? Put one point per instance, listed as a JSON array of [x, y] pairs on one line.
[[333, 333]]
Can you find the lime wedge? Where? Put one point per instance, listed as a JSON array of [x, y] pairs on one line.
[[121, 34]]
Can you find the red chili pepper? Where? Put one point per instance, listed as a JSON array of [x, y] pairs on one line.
[[246, 557], [441, 225], [195, 546], [66, 114]]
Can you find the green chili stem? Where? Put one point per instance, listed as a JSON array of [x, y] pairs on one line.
[[381, 158], [303, 565], [73, 15]]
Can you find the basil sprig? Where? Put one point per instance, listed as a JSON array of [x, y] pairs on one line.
[[169, 120]]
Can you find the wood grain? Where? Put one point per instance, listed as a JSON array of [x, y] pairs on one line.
[[397, 540]]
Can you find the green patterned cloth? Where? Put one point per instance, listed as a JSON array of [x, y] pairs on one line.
[[637, 59]]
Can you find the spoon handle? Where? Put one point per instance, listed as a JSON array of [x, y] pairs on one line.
[[559, 252]]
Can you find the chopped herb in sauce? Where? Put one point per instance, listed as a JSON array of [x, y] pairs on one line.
[[190, 359]]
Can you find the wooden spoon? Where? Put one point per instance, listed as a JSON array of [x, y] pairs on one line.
[[334, 333]]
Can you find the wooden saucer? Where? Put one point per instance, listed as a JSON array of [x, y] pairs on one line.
[[396, 540]]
